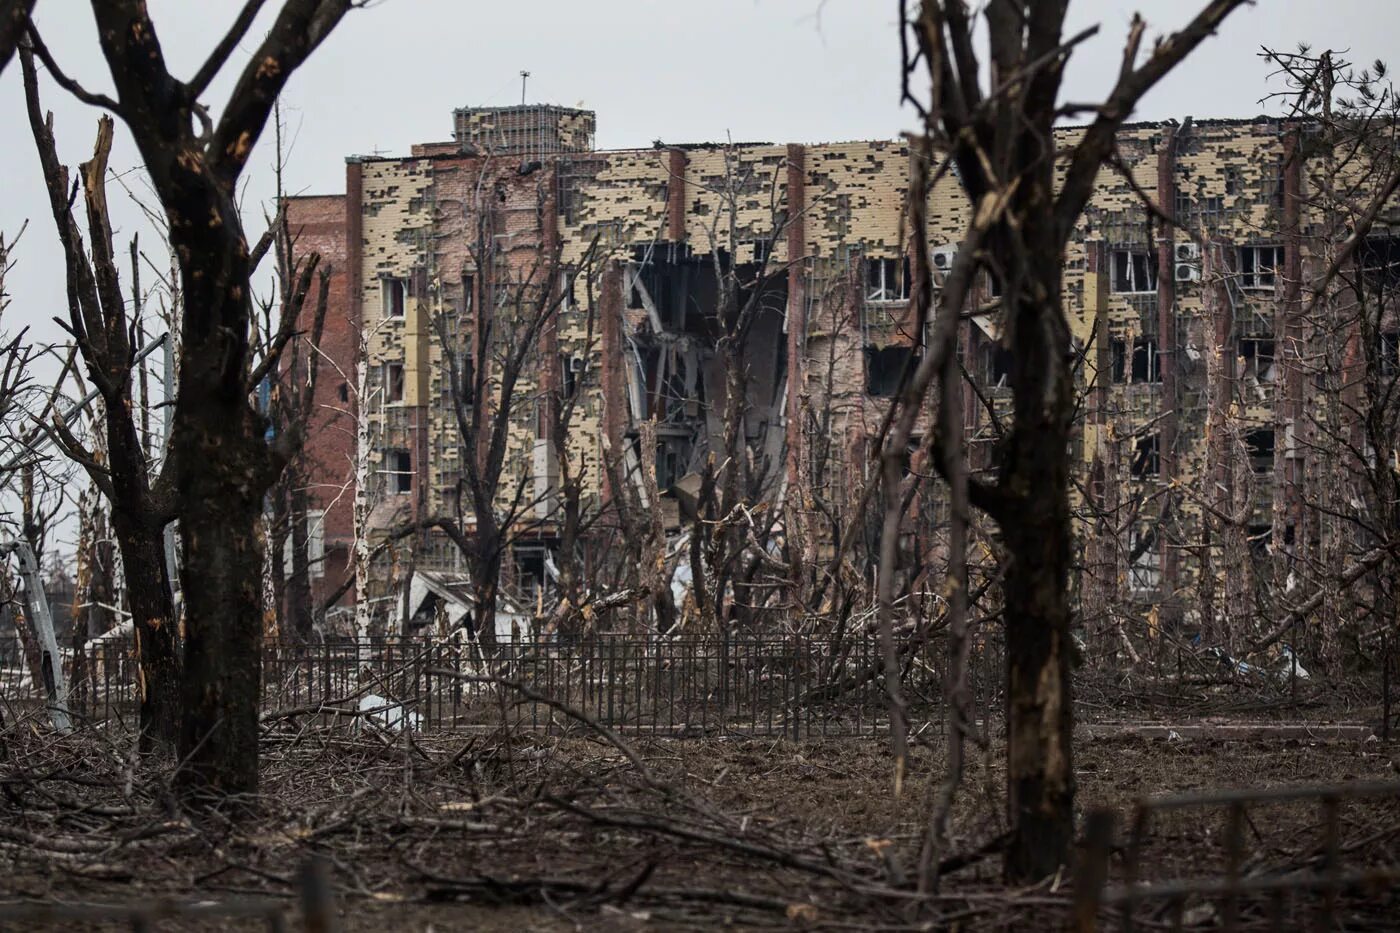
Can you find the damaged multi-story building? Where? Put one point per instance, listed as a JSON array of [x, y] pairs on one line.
[[634, 281]]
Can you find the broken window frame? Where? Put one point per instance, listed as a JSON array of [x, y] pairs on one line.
[[887, 385], [1260, 445], [887, 280], [1142, 365], [1255, 351], [398, 471], [994, 364], [566, 290], [1389, 353], [393, 296], [1134, 272], [1147, 456], [395, 382], [1261, 266], [1145, 573]]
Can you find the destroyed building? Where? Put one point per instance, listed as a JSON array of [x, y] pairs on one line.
[[442, 254]]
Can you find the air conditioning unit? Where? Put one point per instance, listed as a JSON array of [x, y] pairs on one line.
[[941, 263], [1188, 262], [576, 364]]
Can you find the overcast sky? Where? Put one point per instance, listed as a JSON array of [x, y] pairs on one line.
[[775, 70]]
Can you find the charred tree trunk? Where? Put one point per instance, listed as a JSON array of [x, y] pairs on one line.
[[157, 648], [224, 465], [99, 321], [298, 588], [486, 581], [1035, 468], [1028, 197]]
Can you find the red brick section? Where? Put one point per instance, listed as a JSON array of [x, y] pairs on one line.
[[796, 304], [675, 197], [426, 150], [1167, 351], [318, 224]]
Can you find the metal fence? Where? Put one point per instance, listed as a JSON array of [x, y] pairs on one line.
[[786, 686], [793, 686], [1346, 877]]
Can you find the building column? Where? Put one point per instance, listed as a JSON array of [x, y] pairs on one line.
[[796, 306], [675, 196], [1169, 358]]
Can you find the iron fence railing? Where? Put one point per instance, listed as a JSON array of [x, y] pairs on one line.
[[763, 686], [755, 685], [1243, 891]]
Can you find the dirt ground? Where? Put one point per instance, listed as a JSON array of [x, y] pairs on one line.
[[489, 833]]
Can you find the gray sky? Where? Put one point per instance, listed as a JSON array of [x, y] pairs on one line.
[[776, 70]]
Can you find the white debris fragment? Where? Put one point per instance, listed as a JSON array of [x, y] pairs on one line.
[[389, 714]]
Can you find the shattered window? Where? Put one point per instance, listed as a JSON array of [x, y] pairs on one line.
[[1144, 364], [1145, 567], [1147, 456], [400, 471], [1258, 356], [883, 368], [887, 279], [996, 364], [393, 383], [1260, 445], [393, 293], [1260, 266], [1134, 271], [1390, 353], [1379, 256]]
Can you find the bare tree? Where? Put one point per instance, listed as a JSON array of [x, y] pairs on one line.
[[493, 356], [1341, 334], [1000, 137], [102, 329], [224, 464]]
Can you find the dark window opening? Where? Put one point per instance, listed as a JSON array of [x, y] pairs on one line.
[[887, 279], [1380, 260], [393, 382], [1260, 445], [996, 364], [1260, 266], [1390, 353], [344, 392], [1258, 356], [573, 367], [529, 571], [468, 293], [393, 292], [762, 251], [400, 471], [1145, 364], [468, 379], [1134, 271], [993, 284], [883, 368], [672, 461], [1147, 456]]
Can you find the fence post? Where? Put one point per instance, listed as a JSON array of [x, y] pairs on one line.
[[317, 902], [1092, 874], [1385, 686]]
